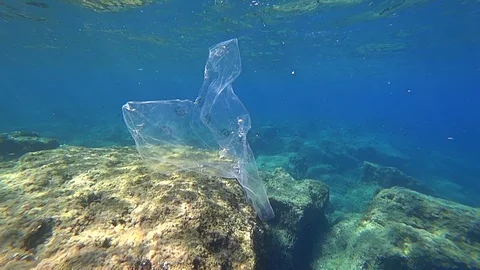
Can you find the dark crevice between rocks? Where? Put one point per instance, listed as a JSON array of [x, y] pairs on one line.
[[288, 240], [273, 253], [38, 233], [313, 226]]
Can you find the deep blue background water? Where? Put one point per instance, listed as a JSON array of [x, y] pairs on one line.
[[69, 75]]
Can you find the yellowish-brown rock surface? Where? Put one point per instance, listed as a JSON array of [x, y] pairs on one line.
[[81, 208]]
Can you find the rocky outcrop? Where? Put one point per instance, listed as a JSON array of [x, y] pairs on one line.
[[404, 229], [382, 154], [387, 177], [16, 144], [80, 208], [300, 220]]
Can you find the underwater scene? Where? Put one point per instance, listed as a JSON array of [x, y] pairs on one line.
[[251, 134]]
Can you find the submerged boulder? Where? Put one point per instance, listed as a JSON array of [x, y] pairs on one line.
[[381, 153], [387, 177], [299, 221], [80, 208], [404, 229], [16, 144]]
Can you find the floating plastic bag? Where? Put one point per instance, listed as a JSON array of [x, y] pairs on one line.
[[208, 136]]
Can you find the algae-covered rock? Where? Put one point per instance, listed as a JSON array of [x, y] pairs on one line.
[[15, 144], [299, 207], [21, 10], [387, 177], [381, 153], [111, 5], [404, 229], [303, 6], [80, 208]]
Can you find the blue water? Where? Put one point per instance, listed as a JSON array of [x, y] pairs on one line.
[[68, 74]]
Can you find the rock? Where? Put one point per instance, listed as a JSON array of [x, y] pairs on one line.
[[298, 165], [312, 160], [320, 170], [111, 5], [81, 208], [404, 229], [387, 177], [381, 153], [299, 220], [16, 144]]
